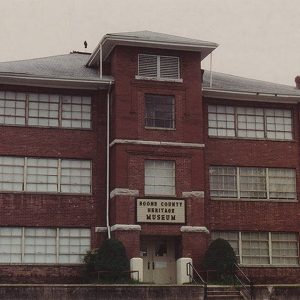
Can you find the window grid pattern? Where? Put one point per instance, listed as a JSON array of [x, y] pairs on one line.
[[11, 173], [221, 120], [75, 176], [76, 112], [19, 174], [10, 245], [159, 177], [159, 111], [223, 182], [263, 248], [43, 245], [12, 108], [47, 110], [72, 244], [158, 66], [252, 183], [43, 110], [249, 122]]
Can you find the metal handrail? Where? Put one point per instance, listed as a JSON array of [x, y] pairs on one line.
[[248, 286], [190, 270]]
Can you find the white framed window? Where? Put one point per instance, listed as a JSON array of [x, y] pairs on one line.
[[158, 67], [159, 111], [249, 122], [73, 243], [12, 108], [37, 245], [45, 110], [11, 173], [10, 245], [75, 176], [76, 112], [252, 183], [263, 248], [42, 175], [160, 177], [47, 175]]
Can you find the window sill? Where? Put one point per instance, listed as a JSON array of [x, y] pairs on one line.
[[160, 128], [249, 139], [154, 196], [255, 200], [47, 193], [158, 79]]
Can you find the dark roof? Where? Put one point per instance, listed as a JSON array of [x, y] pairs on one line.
[[68, 66], [232, 83]]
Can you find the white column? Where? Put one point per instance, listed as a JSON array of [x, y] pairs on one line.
[[182, 274], [136, 264]]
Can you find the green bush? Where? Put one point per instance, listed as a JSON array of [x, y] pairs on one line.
[[109, 261], [220, 259]]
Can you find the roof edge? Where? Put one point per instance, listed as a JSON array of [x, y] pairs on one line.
[[56, 82], [130, 41], [250, 96]]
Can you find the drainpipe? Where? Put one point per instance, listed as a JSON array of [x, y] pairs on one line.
[[108, 159]]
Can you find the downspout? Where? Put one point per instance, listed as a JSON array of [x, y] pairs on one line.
[[108, 160]]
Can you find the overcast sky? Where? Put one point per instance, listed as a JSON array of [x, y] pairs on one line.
[[258, 39]]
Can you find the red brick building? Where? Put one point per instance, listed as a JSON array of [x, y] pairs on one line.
[[192, 156]]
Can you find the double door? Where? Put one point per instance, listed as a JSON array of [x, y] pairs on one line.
[[158, 255]]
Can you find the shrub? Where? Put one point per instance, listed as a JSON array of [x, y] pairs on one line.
[[110, 260], [221, 259]]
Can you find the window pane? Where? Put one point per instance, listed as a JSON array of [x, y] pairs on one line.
[[159, 177], [147, 65], [12, 108], [76, 176], [169, 67], [10, 245], [250, 122], [223, 182], [159, 111], [11, 173], [253, 183], [279, 124], [40, 245], [221, 121], [73, 244], [255, 248], [282, 183], [43, 110], [285, 248], [42, 175], [76, 112]]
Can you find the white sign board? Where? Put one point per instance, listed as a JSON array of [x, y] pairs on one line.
[[160, 211]]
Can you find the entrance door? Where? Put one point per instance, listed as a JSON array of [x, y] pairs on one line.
[[158, 255]]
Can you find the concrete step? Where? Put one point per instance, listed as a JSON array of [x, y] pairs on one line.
[[223, 293]]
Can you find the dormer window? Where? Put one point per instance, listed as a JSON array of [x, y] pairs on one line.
[[158, 67]]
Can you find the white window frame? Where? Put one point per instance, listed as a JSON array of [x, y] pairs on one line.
[[158, 69], [287, 114], [58, 176], [173, 178], [270, 240], [268, 190], [37, 118], [57, 237]]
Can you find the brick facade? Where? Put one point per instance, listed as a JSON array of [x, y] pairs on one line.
[[188, 145]]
